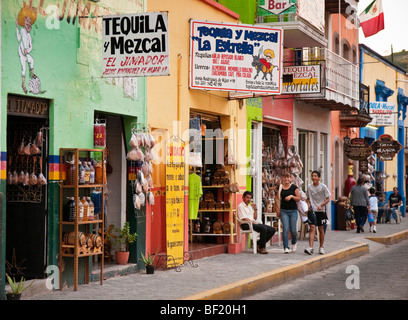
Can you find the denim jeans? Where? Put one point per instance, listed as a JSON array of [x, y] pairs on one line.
[[289, 223]]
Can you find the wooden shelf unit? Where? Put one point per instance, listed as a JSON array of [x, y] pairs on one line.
[[76, 251]]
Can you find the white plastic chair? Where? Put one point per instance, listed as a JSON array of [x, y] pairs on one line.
[[272, 215], [251, 230]]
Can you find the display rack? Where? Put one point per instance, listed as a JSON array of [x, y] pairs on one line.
[[226, 227], [76, 239]]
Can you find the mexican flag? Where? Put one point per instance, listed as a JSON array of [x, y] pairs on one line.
[[372, 18]]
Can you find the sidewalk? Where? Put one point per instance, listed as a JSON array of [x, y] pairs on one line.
[[232, 276]]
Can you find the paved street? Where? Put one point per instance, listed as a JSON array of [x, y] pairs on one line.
[[381, 274]]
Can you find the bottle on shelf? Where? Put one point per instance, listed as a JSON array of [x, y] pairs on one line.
[[98, 173], [91, 173], [207, 178], [81, 171], [70, 173], [87, 172], [207, 225], [81, 210], [86, 209], [70, 210], [91, 209]]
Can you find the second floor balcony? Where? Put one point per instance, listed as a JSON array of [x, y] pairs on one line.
[[339, 78]]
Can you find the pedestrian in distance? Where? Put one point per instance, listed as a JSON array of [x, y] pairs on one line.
[[248, 211], [394, 201], [318, 196], [374, 210], [360, 202], [287, 210]]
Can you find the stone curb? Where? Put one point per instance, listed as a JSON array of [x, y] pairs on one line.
[[391, 239], [267, 280]]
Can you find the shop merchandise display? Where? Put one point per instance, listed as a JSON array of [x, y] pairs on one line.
[[274, 163], [141, 156], [82, 215], [25, 169]]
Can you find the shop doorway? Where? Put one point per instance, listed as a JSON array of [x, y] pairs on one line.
[[116, 169], [211, 149], [26, 197]]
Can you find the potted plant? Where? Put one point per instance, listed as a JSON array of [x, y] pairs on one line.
[[122, 241], [148, 261], [16, 288]]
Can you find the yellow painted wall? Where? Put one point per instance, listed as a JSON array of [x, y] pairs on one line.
[[169, 98], [376, 70]]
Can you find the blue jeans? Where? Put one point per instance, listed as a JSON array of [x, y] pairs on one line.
[[289, 223]]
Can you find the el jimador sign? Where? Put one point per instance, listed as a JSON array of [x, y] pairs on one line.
[[135, 45], [235, 57], [175, 199]]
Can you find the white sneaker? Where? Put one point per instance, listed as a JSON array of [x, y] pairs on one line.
[[309, 251], [286, 250], [321, 250], [294, 247]]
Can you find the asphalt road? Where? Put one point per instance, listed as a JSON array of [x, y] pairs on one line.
[[381, 275]]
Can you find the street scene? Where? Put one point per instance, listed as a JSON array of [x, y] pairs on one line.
[[191, 150]]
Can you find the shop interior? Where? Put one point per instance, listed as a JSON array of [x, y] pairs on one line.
[[212, 159]]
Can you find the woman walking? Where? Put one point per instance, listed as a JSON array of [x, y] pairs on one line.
[[360, 202], [288, 196]]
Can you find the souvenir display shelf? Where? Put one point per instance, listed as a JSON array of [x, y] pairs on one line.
[[87, 244]]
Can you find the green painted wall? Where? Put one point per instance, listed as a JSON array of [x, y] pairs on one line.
[[245, 8], [254, 113], [67, 54]]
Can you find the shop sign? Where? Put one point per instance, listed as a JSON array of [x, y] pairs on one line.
[[385, 147], [276, 6], [175, 199], [382, 113], [235, 57], [26, 106], [135, 45], [357, 149], [301, 79], [313, 11]]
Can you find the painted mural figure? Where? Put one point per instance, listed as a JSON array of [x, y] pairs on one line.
[[25, 20], [264, 64]]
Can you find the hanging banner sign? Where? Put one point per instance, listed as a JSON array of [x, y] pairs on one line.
[[383, 113], [135, 45], [175, 200], [385, 147], [357, 149], [301, 79], [235, 57]]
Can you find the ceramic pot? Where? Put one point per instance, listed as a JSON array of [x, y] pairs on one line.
[[122, 257]]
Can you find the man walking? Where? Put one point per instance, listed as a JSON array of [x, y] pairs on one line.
[[318, 195]]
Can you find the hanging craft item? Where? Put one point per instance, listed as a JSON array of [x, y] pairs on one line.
[[141, 153]]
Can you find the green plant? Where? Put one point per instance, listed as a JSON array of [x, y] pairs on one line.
[[148, 259], [124, 237], [17, 288]]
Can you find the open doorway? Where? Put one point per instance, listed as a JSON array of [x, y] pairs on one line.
[[26, 198]]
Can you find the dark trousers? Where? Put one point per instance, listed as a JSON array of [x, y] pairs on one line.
[[265, 232], [361, 213]]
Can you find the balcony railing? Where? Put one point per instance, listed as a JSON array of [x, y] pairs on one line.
[[339, 78]]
